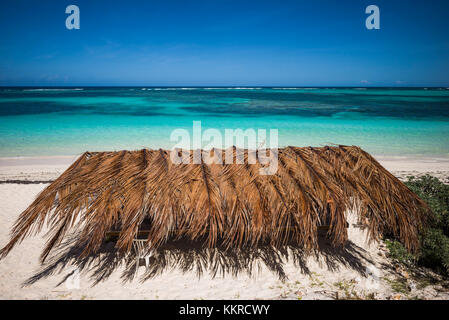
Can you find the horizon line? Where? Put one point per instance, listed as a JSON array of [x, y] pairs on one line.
[[210, 86]]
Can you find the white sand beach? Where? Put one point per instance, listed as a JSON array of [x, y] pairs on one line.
[[361, 270]]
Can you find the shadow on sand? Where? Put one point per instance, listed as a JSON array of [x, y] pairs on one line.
[[188, 256]]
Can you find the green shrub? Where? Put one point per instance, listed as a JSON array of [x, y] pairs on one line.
[[399, 253], [434, 251], [436, 195]]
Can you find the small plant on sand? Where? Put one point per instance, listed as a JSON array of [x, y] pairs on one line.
[[65, 295], [315, 280], [399, 285], [353, 295], [346, 291], [344, 285]]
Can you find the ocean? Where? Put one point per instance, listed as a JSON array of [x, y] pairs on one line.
[[69, 121]]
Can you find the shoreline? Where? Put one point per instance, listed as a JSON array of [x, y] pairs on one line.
[[44, 169]]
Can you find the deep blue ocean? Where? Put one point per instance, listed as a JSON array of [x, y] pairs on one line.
[[69, 121]]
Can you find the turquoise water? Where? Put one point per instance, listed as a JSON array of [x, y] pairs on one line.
[[383, 121]]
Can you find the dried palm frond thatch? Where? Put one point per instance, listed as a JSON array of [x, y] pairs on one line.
[[230, 204]]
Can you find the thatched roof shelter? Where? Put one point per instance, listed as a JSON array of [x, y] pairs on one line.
[[228, 204]]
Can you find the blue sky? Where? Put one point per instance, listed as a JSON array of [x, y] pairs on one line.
[[241, 43]]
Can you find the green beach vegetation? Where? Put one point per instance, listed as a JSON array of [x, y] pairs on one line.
[[434, 239]]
